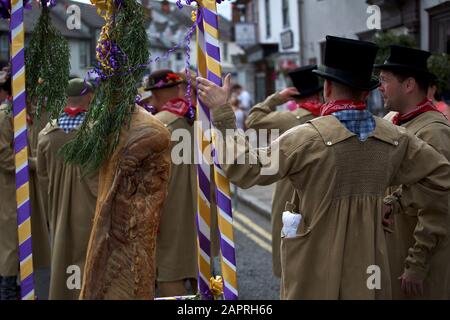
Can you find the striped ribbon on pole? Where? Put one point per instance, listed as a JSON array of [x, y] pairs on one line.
[[203, 176], [209, 67], [21, 150]]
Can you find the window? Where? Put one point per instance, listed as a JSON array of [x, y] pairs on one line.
[[268, 26], [4, 48], [179, 56], [285, 13], [84, 54]]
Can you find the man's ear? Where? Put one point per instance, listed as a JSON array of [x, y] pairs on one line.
[[410, 85]]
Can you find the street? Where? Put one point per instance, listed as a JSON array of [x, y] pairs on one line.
[[254, 256]]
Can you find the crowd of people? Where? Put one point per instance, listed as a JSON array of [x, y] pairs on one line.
[[362, 191]]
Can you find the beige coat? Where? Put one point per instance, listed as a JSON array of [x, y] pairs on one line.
[[9, 254], [8, 218], [39, 223], [265, 116], [176, 245], [341, 183], [419, 234], [71, 199]]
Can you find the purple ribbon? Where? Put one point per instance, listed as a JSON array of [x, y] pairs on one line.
[[5, 7]]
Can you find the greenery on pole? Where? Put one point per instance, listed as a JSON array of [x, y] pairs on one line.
[[122, 54], [385, 39], [47, 59], [439, 65]]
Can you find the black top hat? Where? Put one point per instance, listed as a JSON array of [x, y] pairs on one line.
[[306, 82], [407, 60], [161, 79], [350, 62]]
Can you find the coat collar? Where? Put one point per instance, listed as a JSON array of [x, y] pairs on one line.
[[425, 119], [333, 131], [50, 127]]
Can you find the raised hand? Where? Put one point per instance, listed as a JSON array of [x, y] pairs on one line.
[[287, 93], [211, 94]]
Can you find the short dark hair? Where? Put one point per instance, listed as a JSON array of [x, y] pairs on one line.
[[350, 92], [422, 81], [236, 87]]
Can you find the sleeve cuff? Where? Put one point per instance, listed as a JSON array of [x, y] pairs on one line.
[[274, 101], [223, 117]]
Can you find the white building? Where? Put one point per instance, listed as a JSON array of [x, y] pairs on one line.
[[168, 29], [274, 48], [435, 21], [319, 18]]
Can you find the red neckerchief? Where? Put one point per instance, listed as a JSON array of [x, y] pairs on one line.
[[177, 106], [74, 111], [340, 105], [422, 107], [313, 106]]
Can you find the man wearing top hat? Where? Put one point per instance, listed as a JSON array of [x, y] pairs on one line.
[[306, 94], [176, 245], [419, 253], [69, 196], [338, 166]]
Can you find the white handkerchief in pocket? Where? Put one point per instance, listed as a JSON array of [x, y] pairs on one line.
[[291, 221]]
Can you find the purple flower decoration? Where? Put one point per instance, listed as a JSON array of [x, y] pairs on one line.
[[189, 2], [48, 3], [146, 106]]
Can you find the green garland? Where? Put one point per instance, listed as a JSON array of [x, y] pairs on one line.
[[114, 100], [439, 65], [48, 65], [385, 39]]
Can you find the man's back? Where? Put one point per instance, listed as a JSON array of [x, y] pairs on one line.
[[341, 182], [71, 199]]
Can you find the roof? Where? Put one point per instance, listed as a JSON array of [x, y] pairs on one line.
[[90, 15], [31, 18]]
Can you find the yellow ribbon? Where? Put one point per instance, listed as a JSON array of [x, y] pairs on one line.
[[104, 35], [105, 8], [216, 286]]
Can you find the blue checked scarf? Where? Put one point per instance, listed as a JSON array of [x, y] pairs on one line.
[[69, 123], [360, 122]]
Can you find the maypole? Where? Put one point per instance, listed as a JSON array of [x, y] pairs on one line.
[[21, 150], [208, 61]]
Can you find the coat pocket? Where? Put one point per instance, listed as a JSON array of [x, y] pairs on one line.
[[295, 252]]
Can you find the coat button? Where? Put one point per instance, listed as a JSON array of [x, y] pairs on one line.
[[298, 117], [329, 143], [396, 143]]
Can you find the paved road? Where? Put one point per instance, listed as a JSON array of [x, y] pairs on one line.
[[254, 256]]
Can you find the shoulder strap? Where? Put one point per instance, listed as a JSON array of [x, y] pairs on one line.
[[294, 204]]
